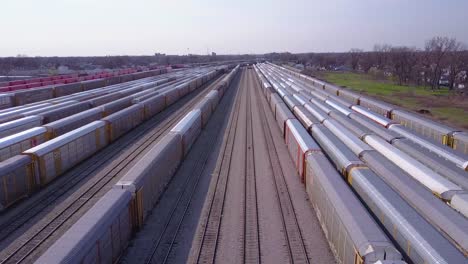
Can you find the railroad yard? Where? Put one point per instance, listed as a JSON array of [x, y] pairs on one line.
[[247, 162]]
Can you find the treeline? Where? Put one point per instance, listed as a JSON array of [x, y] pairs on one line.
[[443, 60]]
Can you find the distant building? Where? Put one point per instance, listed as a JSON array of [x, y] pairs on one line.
[[342, 68], [63, 69], [213, 54], [299, 66]]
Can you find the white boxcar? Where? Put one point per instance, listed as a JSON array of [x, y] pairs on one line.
[[147, 179], [18, 125], [17, 143], [299, 143], [17, 179], [189, 128], [59, 154], [99, 236]]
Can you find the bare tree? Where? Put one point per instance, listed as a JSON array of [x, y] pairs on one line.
[[367, 61], [381, 54], [437, 49], [457, 61], [403, 61], [354, 57]]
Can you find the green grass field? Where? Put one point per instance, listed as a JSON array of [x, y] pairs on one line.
[[442, 105]]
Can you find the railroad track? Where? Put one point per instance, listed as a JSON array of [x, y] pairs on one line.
[[206, 245], [205, 249], [17, 253], [161, 250], [297, 250], [251, 228]]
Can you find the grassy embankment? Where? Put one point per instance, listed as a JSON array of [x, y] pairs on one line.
[[443, 105]]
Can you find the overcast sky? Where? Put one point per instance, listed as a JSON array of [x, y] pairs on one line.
[[143, 27]]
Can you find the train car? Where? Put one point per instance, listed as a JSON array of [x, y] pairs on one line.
[[133, 90], [376, 106], [99, 236], [126, 78], [299, 145], [143, 95], [199, 81], [113, 80], [449, 222], [121, 122], [18, 125], [192, 85], [189, 128], [17, 180], [351, 141], [268, 92], [150, 175], [153, 105], [93, 84], [183, 89], [433, 161], [430, 129], [291, 102], [104, 99], [206, 109], [171, 96], [290, 91], [67, 124], [305, 117], [459, 142], [319, 94], [381, 120], [318, 113], [459, 159], [214, 96], [56, 156], [323, 106], [296, 88], [12, 114], [64, 111], [80, 97], [460, 203], [386, 134], [117, 105], [274, 100], [302, 97], [349, 96], [282, 92], [282, 115], [340, 100], [339, 107], [352, 233], [33, 95], [67, 89], [6, 101], [439, 185], [356, 128], [343, 158], [17, 143], [417, 238], [39, 111]]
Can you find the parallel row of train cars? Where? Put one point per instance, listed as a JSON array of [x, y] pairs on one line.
[[387, 214], [58, 80], [22, 97], [102, 233], [452, 137], [41, 144]]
